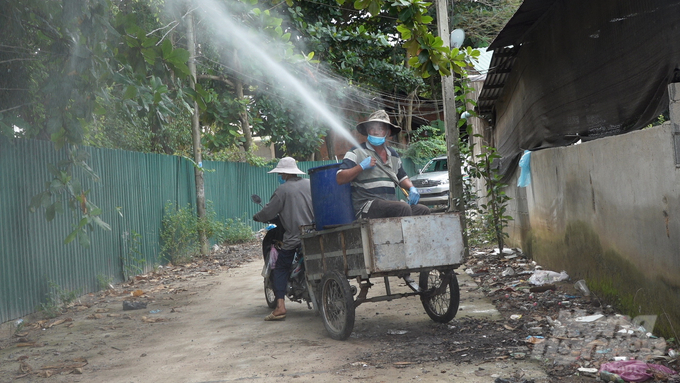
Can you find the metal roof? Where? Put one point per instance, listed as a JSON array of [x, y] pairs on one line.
[[483, 62], [499, 69]]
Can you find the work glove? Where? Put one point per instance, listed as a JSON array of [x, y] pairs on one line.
[[366, 163], [413, 195]]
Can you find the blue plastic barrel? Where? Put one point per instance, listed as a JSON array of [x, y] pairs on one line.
[[332, 203]]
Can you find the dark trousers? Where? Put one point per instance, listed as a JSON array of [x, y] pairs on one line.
[[282, 272], [385, 209]]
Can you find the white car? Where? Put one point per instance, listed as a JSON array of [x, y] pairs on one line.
[[433, 182]]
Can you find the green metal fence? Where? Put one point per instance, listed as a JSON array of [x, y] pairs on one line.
[[133, 190]]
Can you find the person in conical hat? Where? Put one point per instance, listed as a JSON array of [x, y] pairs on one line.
[[292, 202], [373, 183]]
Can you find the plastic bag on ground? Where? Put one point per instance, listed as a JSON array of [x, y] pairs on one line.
[[635, 370], [543, 277]]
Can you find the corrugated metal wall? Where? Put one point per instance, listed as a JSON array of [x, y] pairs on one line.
[[133, 190], [230, 186]]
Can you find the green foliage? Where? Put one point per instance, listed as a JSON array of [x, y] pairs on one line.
[[491, 214], [150, 86], [292, 129], [236, 231], [363, 54], [179, 235], [133, 262], [486, 221], [85, 59], [236, 153], [104, 281], [66, 189], [482, 20], [115, 74], [20, 325], [428, 55], [427, 142], [56, 300], [117, 132], [660, 119]]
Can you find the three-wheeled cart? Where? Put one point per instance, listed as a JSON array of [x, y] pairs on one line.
[[430, 247]]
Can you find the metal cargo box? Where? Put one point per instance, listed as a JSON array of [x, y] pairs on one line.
[[385, 246]]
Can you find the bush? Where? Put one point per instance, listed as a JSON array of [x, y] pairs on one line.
[[56, 300], [236, 231], [426, 143], [179, 236]]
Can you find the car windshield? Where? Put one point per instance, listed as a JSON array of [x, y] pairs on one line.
[[435, 166]]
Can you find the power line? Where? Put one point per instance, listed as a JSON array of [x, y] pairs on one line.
[[359, 95]]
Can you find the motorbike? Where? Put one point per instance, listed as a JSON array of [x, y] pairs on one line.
[[297, 289]]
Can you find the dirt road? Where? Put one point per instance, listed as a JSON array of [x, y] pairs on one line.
[[210, 328]]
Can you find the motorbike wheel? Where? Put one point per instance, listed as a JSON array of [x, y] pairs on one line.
[[443, 307], [337, 305], [269, 293], [269, 286]]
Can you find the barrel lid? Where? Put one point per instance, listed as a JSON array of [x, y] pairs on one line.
[[324, 167]]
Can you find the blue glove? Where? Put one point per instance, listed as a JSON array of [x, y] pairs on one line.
[[366, 163], [413, 195]]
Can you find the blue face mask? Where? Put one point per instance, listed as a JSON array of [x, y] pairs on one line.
[[376, 141], [281, 180]]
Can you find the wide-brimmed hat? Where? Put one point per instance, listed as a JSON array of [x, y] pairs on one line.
[[378, 116], [287, 166]]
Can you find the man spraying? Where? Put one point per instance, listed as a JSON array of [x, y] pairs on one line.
[[373, 169]]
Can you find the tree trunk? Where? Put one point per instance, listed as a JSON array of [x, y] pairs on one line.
[[243, 112], [409, 111], [434, 97], [330, 144], [196, 135]]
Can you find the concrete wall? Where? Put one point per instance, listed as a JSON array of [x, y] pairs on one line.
[[608, 211]]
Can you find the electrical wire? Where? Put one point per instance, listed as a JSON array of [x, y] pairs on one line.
[[360, 95]]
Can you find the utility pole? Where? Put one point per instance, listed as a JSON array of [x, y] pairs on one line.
[[456, 202], [196, 135]]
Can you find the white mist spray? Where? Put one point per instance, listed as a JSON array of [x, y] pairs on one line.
[[222, 20]]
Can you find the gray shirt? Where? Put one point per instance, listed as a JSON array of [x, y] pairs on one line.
[[292, 202]]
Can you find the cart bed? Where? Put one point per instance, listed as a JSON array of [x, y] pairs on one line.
[[385, 246]]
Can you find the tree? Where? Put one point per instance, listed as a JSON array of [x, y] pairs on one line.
[[86, 57], [67, 69], [81, 66], [482, 20], [236, 89]]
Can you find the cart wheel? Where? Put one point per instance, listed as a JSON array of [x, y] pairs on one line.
[[337, 305], [442, 307]]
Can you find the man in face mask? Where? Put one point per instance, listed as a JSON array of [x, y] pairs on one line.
[[373, 184]]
